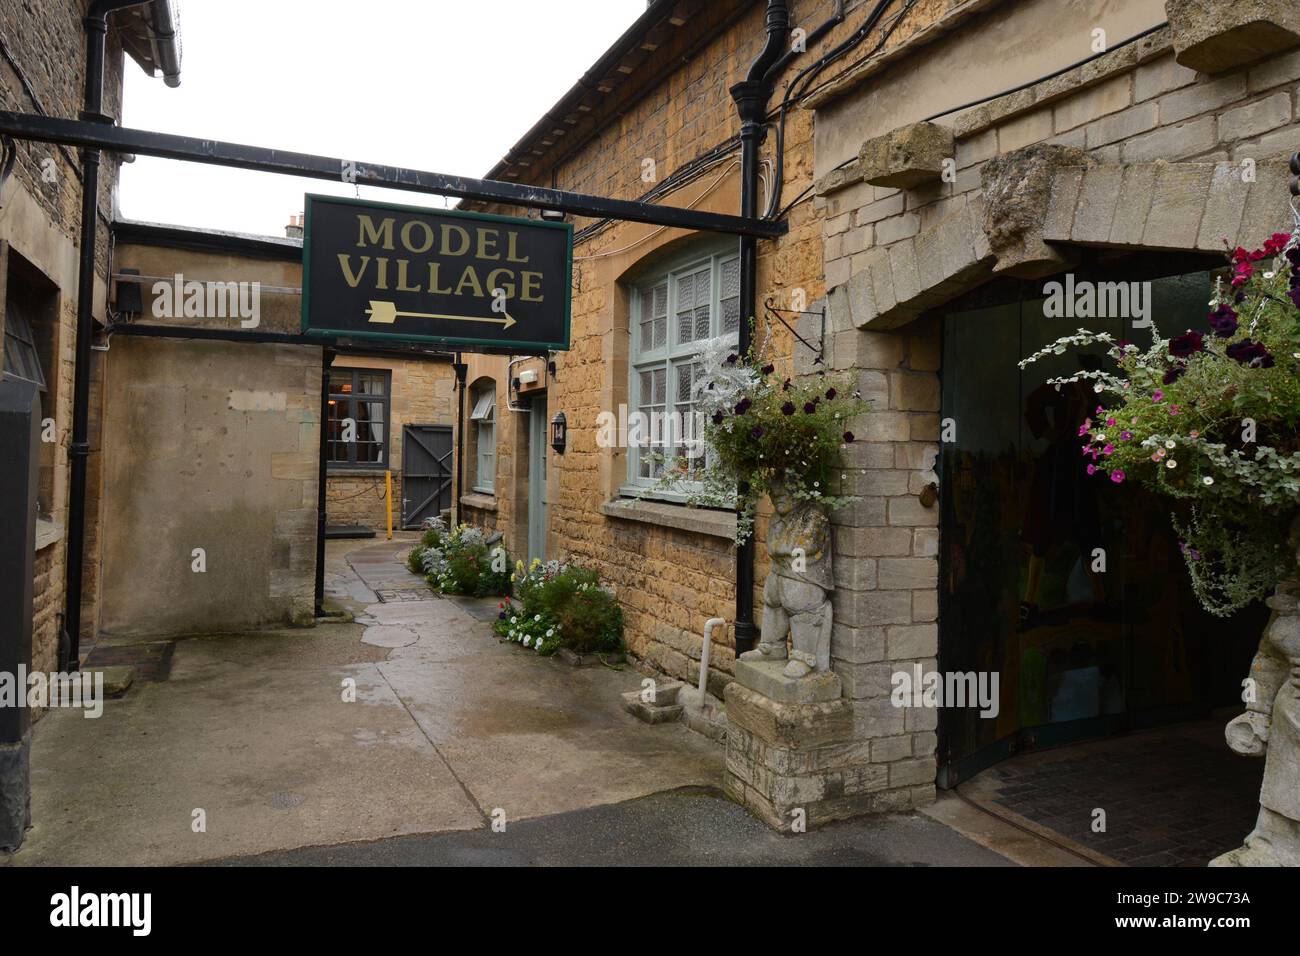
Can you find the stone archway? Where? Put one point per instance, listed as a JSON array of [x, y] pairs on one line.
[[1036, 204]]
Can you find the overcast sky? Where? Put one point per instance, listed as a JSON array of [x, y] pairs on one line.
[[443, 85]]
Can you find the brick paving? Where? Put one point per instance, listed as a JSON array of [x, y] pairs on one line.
[[1171, 798]]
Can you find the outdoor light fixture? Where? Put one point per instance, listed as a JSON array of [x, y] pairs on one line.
[[559, 432], [553, 215]]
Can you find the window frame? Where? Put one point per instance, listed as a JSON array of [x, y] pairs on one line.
[[673, 353], [484, 417], [26, 351], [352, 398]]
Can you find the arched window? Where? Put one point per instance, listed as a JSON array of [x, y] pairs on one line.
[[483, 425]]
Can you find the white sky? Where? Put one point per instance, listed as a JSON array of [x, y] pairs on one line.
[[442, 85]]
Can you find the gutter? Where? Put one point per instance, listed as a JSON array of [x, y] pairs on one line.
[[166, 41]]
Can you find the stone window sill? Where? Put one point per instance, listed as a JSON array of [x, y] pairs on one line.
[[716, 524], [479, 502], [47, 533]]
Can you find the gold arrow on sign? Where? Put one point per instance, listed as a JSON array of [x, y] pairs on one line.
[[386, 313]]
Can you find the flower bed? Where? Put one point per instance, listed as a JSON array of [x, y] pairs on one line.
[[1210, 422], [460, 561], [560, 605]]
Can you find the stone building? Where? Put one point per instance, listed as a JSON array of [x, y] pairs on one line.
[[43, 70], [948, 162]]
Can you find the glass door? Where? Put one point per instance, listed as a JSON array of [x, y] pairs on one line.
[[1067, 586]]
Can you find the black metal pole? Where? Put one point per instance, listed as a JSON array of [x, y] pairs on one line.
[[460, 369], [96, 29], [751, 96], [120, 139], [322, 477]]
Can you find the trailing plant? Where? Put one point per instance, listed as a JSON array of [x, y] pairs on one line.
[[1210, 420], [759, 428], [561, 605]]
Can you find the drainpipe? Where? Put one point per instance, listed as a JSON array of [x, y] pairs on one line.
[[460, 368], [751, 96], [322, 477], [96, 29]]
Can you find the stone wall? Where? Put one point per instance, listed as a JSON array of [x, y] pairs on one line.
[[1142, 134], [42, 71]]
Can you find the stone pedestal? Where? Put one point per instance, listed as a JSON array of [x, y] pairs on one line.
[[791, 747]]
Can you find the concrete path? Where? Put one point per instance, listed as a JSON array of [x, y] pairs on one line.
[[253, 731]]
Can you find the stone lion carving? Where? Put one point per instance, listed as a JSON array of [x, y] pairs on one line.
[[1270, 728], [796, 597]]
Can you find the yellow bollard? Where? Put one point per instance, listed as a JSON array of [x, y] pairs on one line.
[[388, 500]]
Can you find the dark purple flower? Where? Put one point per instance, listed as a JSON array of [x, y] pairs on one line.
[[733, 359], [809, 407], [848, 438], [718, 417], [1294, 295], [743, 406], [769, 369], [1250, 353], [756, 431], [1189, 343], [1174, 374], [1223, 321], [787, 408], [1293, 256], [785, 386], [830, 394]]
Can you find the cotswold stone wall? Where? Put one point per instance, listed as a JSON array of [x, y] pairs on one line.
[[672, 568], [1139, 136], [42, 71]]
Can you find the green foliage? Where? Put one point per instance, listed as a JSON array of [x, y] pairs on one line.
[[461, 562], [561, 605], [1211, 421]]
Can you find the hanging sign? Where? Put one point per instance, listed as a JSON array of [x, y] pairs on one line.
[[409, 274]]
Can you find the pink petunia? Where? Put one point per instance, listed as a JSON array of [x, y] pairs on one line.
[[1117, 476]]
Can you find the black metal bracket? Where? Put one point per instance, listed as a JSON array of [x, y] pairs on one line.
[[120, 139], [820, 349], [1295, 168]]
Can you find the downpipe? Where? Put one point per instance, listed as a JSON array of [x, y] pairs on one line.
[[751, 96], [96, 29]]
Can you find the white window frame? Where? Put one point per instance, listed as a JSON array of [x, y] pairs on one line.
[[485, 438], [674, 352]]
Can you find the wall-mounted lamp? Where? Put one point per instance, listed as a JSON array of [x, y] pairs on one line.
[[559, 432]]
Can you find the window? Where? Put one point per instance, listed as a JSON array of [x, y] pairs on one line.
[[358, 418], [485, 439], [672, 313], [22, 359]]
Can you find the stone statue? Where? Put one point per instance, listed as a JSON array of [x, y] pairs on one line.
[[1270, 728], [796, 597]]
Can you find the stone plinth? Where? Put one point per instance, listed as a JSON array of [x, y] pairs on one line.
[[768, 679], [1213, 36], [784, 758]]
